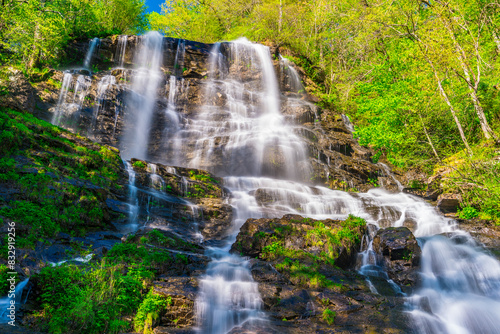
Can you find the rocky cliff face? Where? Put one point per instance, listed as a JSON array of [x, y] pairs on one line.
[[336, 159]]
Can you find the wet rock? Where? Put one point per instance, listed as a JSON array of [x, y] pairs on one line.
[[20, 94], [216, 218], [260, 237], [484, 232], [448, 203], [182, 292], [400, 254]]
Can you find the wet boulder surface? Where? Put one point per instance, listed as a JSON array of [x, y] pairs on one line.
[[399, 254], [304, 270]]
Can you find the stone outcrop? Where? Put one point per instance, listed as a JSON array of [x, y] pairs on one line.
[[400, 254], [187, 200], [448, 203], [298, 264], [16, 92]]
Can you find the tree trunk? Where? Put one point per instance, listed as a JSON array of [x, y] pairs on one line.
[[452, 110], [429, 138], [281, 17], [462, 58]]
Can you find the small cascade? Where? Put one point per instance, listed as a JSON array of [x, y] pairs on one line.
[[80, 259], [67, 109], [141, 100], [196, 215], [82, 86], [156, 180], [460, 288], [107, 82], [6, 306], [67, 79], [387, 172], [347, 123], [171, 111], [171, 170], [132, 198], [90, 52], [179, 58], [120, 51], [289, 77]]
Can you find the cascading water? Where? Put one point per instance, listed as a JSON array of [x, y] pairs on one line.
[[88, 58], [132, 198], [103, 87], [141, 100], [120, 51], [56, 119], [290, 76], [460, 291], [16, 298]]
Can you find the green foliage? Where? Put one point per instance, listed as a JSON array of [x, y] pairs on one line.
[[89, 299], [476, 178], [59, 175], [329, 316], [139, 164], [468, 213], [36, 31], [149, 311], [4, 284]]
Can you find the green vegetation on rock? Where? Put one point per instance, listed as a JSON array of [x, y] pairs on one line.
[[59, 180], [303, 249]]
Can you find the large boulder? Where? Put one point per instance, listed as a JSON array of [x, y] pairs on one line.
[[448, 203], [399, 253], [298, 264]]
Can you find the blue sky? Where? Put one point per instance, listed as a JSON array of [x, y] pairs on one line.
[[154, 5]]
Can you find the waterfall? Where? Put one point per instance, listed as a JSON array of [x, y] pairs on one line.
[[103, 86], [120, 51], [67, 109], [5, 302], [179, 58], [460, 291], [239, 133], [141, 100], [56, 119], [132, 198], [90, 52], [290, 77]]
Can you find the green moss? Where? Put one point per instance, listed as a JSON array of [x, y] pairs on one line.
[[139, 164], [57, 175]]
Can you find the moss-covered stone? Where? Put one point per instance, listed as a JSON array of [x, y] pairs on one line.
[[54, 181]]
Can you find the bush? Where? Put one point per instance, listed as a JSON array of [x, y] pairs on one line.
[[149, 311], [468, 212]]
